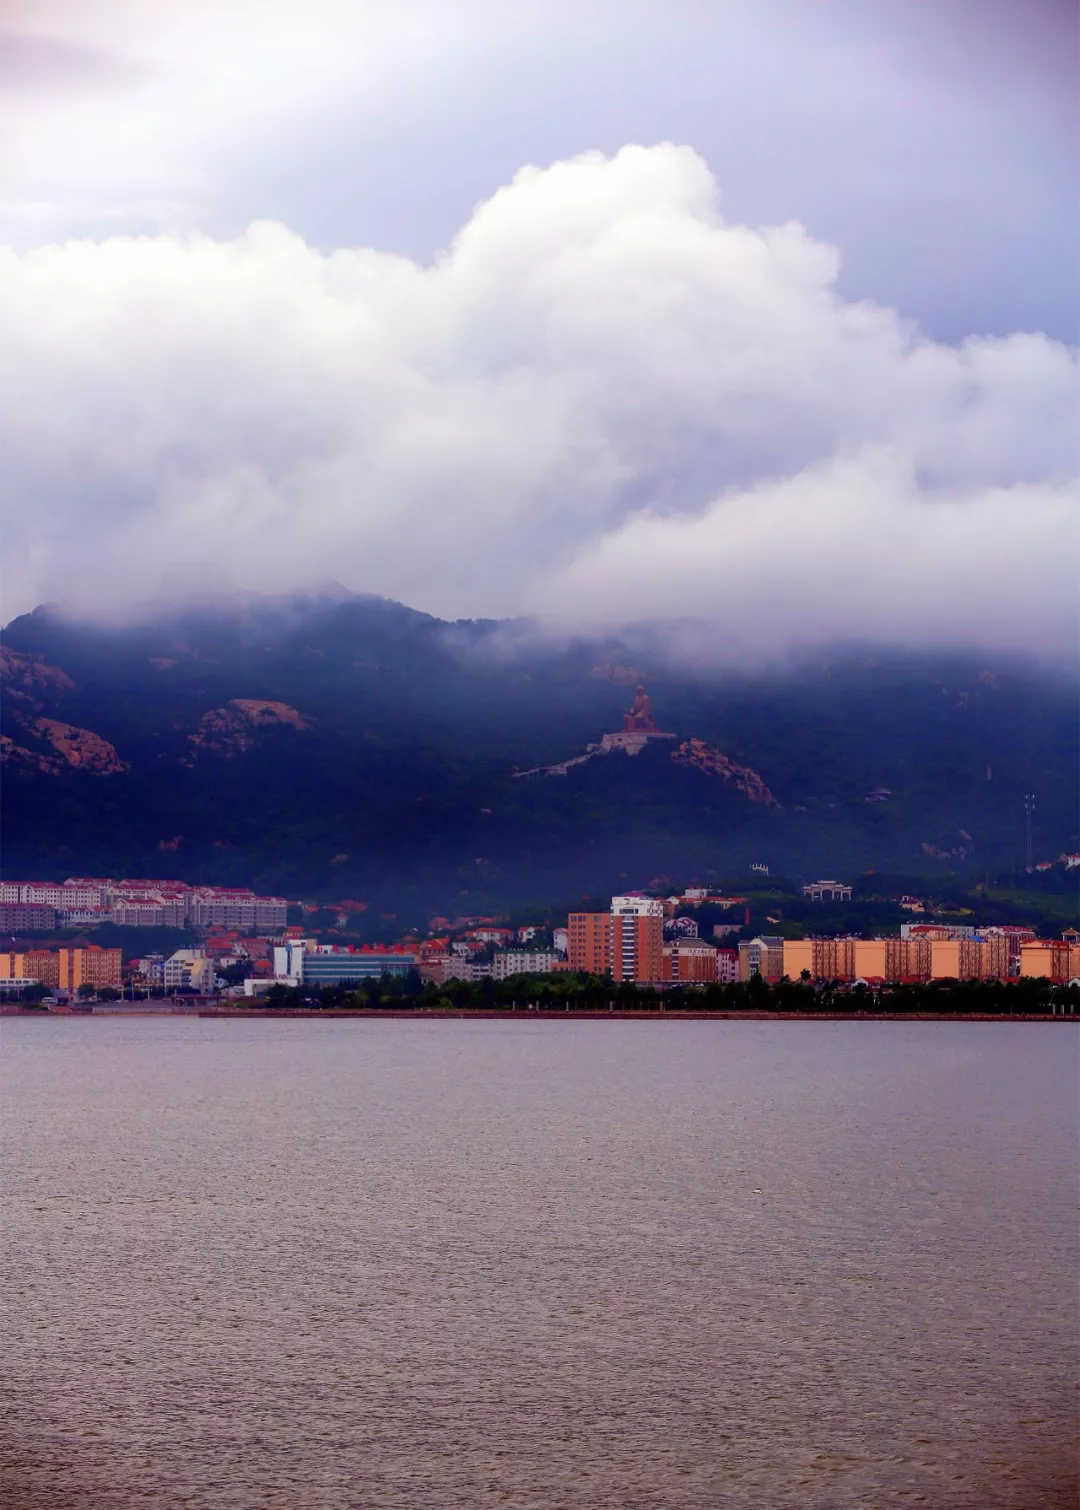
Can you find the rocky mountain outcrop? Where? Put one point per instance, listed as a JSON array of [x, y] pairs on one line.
[[713, 762], [231, 730], [30, 679], [80, 748], [17, 755]]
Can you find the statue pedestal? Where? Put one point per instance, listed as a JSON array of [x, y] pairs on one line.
[[632, 741]]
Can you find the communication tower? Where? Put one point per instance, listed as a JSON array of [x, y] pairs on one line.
[[1029, 808]]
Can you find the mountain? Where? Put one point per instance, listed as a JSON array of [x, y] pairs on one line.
[[344, 745]]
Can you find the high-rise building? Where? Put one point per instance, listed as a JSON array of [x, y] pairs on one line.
[[589, 942], [637, 939], [628, 941]]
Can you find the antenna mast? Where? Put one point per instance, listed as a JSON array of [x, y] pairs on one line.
[[1029, 808]]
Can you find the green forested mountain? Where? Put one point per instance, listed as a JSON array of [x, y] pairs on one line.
[[350, 747]]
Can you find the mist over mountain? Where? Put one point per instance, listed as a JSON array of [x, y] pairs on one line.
[[348, 746]]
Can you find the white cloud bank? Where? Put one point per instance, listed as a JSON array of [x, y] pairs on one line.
[[601, 403]]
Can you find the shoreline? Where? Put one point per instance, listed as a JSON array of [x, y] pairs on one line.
[[464, 1014]]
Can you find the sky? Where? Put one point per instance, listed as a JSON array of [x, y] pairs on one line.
[[764, 313]]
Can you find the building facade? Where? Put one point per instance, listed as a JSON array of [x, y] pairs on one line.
[[689, 962], [827, 891], [188, 970], [637, 939], [339, 967], [65, 969], [523, 962], [41, 965], [27, 917], [588, 945], [762, 956]]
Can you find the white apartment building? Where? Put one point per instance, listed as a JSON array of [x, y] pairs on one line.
[[242, 910], [457, 967], [66, 894], [289, 961], [637, 907], [523, 962], [188, 969]]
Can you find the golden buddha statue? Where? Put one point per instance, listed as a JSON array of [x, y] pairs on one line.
[[640, 718]]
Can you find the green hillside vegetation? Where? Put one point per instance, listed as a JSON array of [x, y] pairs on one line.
[[331, 747]]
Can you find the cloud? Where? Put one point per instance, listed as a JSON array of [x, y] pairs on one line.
[[601, 401], [934, 143], [29, 63]]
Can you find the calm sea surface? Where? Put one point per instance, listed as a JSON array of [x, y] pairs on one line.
[[466, 1264]]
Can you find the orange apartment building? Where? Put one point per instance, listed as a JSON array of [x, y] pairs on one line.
[[690, 960], [38, 964], [65, 969], [637, 948], [1056, 960], [628, 941], [925, 959], [589, 942]]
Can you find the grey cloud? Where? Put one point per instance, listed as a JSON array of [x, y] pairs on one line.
[[935, 143], [31, 63], [604, 402]]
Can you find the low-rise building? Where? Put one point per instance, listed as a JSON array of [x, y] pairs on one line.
[[762, 956], [339, 967], [460, 967], [151, 968], [727, 966], [188, 970], [689, 961]]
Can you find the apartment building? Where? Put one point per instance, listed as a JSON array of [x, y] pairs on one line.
[[73, 893], [27, 917], [65, 969], [637, 939], [188, 970], [628, 941], [1056, 960], [690, 961], [916, 957], [40, 965], [588, 943], [761, 956], [215, 905], [523, 962], [92, 966]]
